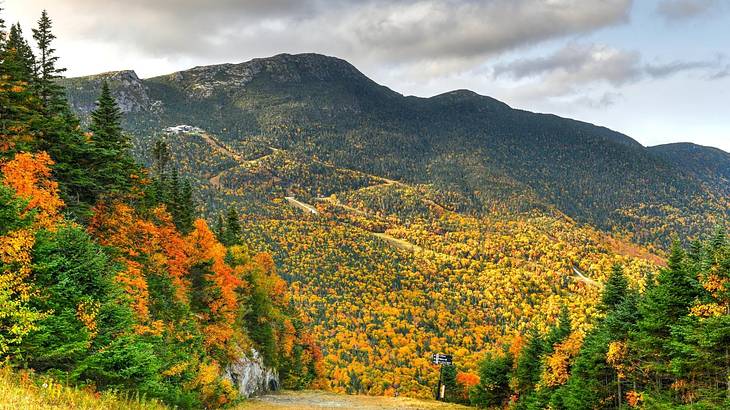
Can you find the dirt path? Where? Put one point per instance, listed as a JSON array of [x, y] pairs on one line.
[[301, 205], [341, 205], [313, 400], [219, 147], [586, 279]]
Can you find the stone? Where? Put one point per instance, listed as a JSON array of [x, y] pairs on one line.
[[251, 377]]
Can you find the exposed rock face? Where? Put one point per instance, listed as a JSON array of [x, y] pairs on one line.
[[251, 376], [128, 89]]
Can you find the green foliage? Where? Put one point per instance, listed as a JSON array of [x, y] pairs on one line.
[[112, 162], [615, 289], [231, 233], [49, 91], [528, 369], [167, 189], [325, 116], [493, 389], [75, 278]]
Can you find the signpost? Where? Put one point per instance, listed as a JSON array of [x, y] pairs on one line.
[[441, 359]]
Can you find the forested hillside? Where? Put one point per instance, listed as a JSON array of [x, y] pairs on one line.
[[108, 278], [460, 143], [155, 234]]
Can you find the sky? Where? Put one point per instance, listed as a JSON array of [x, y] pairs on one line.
[[656, 70]]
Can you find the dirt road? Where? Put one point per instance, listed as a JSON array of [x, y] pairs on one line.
[[318, 400]]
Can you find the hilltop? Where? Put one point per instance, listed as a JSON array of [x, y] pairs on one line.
[[477, 151]]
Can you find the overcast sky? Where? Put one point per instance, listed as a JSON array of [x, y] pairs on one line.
[[657, 70]]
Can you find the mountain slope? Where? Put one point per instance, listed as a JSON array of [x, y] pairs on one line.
[[709, 164], [475, 152]]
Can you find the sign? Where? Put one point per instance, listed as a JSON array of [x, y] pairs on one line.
[[441, 359]]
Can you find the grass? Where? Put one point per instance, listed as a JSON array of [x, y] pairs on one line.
[[24, 390]]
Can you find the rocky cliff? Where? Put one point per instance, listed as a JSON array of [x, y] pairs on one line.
[[251, 376]]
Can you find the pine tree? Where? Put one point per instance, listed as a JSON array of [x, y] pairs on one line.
[[18, 57], [560, 330], [219, 228], [3, 30], [51, 94], [186, 206], [18, 106], [615, 289], [661, 308], [161, 156], [527, 372], [494, 374], [112, 161], [232, 233], [106, 123]]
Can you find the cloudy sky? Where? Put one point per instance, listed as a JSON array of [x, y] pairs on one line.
[[657, 70]]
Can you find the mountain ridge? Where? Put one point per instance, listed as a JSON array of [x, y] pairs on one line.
[[472, 148]]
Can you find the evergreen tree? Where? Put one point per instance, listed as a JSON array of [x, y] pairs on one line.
[[219, 229], [232, 234], [186, 206], [493, 389], [3, 29], [161, 157], [51, 94], [615, 289], [19, 108], [18, 58], [662, 306], [527, 372], [112, 161], [560, 330]]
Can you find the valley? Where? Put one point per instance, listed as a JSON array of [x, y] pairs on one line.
[[287, 233], [393, 232]]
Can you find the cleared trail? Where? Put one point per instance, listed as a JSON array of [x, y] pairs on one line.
[[586, 279], [317, 400]]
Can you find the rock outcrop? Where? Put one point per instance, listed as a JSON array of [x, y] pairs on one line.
[[251, 377]]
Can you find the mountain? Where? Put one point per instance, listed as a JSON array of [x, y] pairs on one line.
[[472, 152], [708, 164], [407, 226]]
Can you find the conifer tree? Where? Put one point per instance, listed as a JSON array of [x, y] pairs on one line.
[[661, 308], [615, 289], [560, 330], [50, 93], [113, 164], [527, 372], [18, 107], [2, 30], [186, 207], [219, 228], [232, 234], [18, 56]]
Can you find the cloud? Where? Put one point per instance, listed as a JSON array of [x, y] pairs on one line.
[[674, 10], [448, 33], [668, 69], [578, 64], [604, 100], [590, 74]]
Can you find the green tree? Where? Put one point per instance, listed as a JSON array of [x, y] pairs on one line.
[[527, 372], [662, 307], [232, 233], [493, 389], [50, 92], [614, 289], [112, 162], [18, 57]]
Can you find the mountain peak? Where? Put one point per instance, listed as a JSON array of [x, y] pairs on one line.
[[203, 81]]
